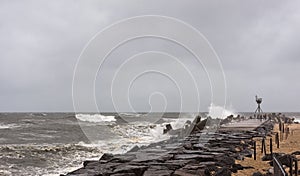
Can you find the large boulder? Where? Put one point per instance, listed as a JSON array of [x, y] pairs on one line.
[[168, 128], [199, 126], [296, 153]]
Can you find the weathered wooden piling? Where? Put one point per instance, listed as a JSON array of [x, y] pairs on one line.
[[271, 146], [277, 139], [287, 131], [291, 165], [296, 167], [254, 152], [280, 126], [265, 150], [262, 145]]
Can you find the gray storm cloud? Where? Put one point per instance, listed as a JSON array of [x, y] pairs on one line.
[[257, 42]]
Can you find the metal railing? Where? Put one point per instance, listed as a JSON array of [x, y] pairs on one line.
[[278, 168]]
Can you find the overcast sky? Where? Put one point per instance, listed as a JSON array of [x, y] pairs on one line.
[[257, 43]]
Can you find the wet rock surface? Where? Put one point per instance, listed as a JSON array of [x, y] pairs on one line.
[[181, 157]]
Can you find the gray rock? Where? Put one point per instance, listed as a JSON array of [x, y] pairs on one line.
[[90, 162], [137, 170], [134, 149], [267, 157], [247, 153], [271, 170], [285, 160], [194, 157], [224, 171], [225, 161], [181, 172], [168, 128], [124, 158], [158, 171], [296, 153], [106, 156], [257, 174]]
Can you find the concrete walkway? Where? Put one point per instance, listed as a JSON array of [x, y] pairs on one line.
[[244, 125]]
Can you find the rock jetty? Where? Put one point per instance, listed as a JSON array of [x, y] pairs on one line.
[[202, 152]]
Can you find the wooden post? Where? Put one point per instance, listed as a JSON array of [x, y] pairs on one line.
[[280, 126], [262, 145], [291, 165], [296, 167], [265, 151], [277, 139], [271, 146], [254, 146]]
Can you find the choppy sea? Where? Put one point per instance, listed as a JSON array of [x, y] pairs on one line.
[[57, 143]]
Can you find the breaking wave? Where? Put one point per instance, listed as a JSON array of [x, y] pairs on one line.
[[44, 159], [215, 111], [8, 126], [97, 118], [297, 119], [37, 158]]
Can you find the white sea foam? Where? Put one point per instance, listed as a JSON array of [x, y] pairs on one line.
[[297, 119], [141, 132], [219, 112], [180, 122], [74, 155], [5, 173], [130, 135], [97, 118], [130, 114], [8, 126]]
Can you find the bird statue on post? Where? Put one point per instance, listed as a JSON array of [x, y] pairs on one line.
[[258, 110]]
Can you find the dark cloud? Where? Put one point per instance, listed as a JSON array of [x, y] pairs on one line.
[[257, 42]]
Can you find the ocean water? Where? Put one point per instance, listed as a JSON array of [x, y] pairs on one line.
[[57, 143]]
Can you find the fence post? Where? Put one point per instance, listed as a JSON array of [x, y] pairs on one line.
[[296, 167], [262, 145], [265, 151], [287, 132], [271, 146], [291, 165], [254, 145], [277, 139], [280, 126]]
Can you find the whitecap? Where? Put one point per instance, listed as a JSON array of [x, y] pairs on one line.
[[96, 118], [8, 126]]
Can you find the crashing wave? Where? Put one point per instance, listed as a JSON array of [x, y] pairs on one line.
[[219, 112], [96, 118]]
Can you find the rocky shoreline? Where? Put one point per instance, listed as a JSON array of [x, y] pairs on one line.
[[182, 157]]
